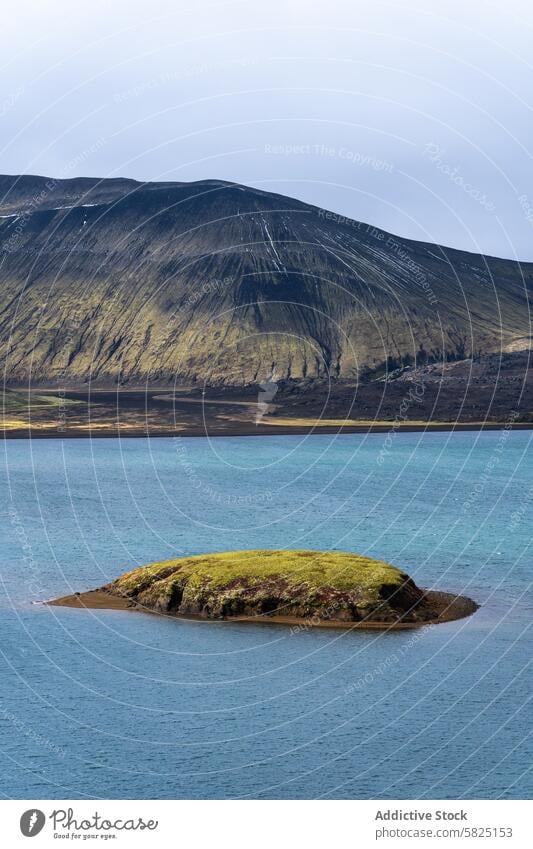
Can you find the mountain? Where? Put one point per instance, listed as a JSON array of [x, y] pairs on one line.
[[106, 280]]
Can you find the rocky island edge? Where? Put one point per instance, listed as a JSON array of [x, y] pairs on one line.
[[312, 588]]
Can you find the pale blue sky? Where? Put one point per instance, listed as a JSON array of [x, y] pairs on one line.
[[414, 116]]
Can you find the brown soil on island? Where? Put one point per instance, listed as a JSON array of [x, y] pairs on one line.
[[448, 607]]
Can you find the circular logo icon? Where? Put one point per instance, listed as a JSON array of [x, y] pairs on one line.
[[32, 822]]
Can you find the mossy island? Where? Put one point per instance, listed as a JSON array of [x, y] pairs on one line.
[[335, 589]]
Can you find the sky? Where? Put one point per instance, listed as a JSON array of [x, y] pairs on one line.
[[416, 117]]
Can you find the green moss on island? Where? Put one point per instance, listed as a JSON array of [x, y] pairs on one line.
[[340, 570], [337, 586]]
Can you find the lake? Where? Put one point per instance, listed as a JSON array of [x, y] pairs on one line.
[[114, 704]]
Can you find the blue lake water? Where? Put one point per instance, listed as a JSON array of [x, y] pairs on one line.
[[115, 704]]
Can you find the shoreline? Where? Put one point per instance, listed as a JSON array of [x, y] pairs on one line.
[[451, 608], [107, 432]]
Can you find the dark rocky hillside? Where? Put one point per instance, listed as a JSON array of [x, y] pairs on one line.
[[106, 280]]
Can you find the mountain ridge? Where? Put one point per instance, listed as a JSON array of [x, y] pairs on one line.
[[136, 185]]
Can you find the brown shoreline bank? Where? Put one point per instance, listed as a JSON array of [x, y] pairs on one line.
[[449, 608], [73, 413], [234, 430]]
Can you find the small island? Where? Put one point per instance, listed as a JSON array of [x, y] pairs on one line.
[[305, 588]]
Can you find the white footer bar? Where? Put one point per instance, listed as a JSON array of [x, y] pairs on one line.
[[267, 824]]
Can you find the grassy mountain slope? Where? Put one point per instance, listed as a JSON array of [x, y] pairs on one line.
[[111, 279]]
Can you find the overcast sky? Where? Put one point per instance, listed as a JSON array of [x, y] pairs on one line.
[[414, 116]]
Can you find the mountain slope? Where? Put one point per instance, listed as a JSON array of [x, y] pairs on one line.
[[211, 281]]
